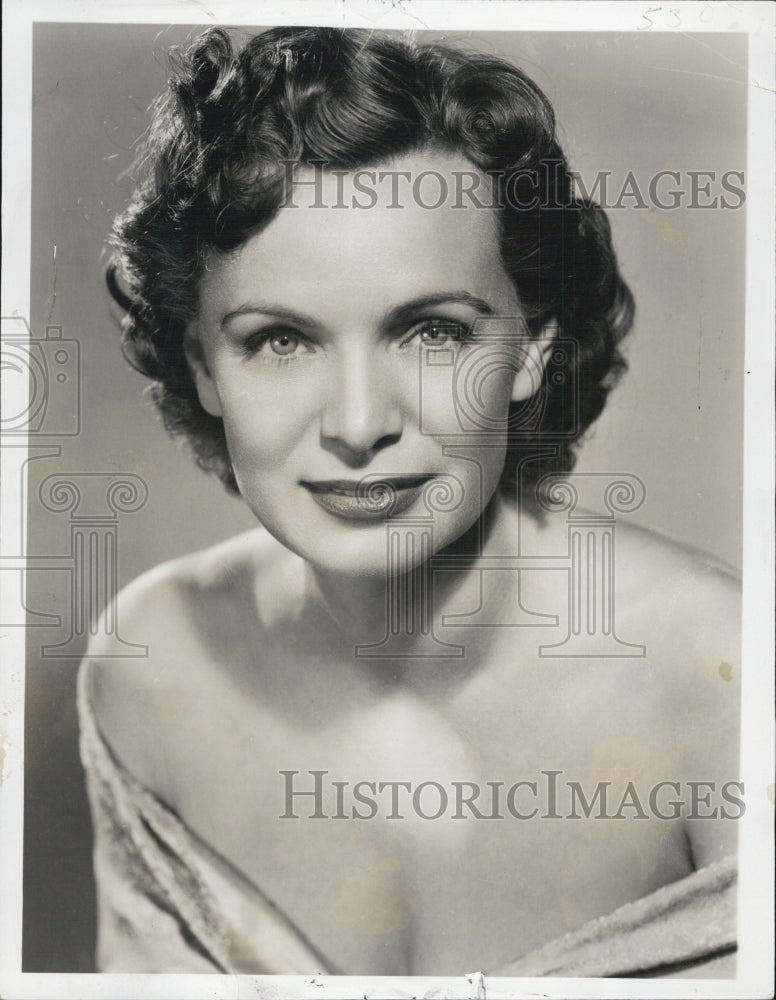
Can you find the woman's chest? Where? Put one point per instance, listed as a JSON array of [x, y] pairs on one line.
[[412, 838]]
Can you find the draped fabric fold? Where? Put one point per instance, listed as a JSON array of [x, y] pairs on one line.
[[687, 923]]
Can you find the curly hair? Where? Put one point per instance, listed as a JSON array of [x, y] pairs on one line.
[[211, 173]]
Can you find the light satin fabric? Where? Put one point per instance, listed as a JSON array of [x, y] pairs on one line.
[[169, 903]]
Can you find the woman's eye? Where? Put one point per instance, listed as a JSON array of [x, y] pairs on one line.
[[277, 345], [437, 332], [283, 343]]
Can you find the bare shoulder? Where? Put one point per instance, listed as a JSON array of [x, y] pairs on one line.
[[685, 607], [182, 616], [687, 602]]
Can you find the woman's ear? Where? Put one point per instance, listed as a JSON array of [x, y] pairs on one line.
[[536, 351], [200, 372]]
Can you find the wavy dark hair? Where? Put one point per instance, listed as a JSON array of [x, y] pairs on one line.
[[212, 171]]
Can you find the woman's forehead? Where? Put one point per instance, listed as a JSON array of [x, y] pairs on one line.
[[382, 232]]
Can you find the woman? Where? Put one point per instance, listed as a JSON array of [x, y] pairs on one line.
[[357, 272]]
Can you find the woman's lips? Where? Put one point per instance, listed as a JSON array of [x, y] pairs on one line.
[[368, 499]]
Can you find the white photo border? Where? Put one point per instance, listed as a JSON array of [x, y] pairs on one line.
[[756, 927]]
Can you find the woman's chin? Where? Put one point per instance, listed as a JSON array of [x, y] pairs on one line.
[[392, 552]]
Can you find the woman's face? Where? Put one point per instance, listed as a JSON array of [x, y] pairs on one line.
[[340, 347]]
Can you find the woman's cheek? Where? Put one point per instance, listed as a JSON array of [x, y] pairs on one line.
[[265, 422], [466, 402]]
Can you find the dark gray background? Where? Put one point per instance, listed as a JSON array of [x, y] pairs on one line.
[[640, 102]]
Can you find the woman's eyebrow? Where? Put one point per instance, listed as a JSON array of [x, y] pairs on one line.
[[404, 313], [266, 309], [409, 310]]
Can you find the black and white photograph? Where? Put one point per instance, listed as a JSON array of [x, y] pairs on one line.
[[387, 469]]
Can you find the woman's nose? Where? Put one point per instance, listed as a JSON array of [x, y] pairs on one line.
[[362, 413]]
